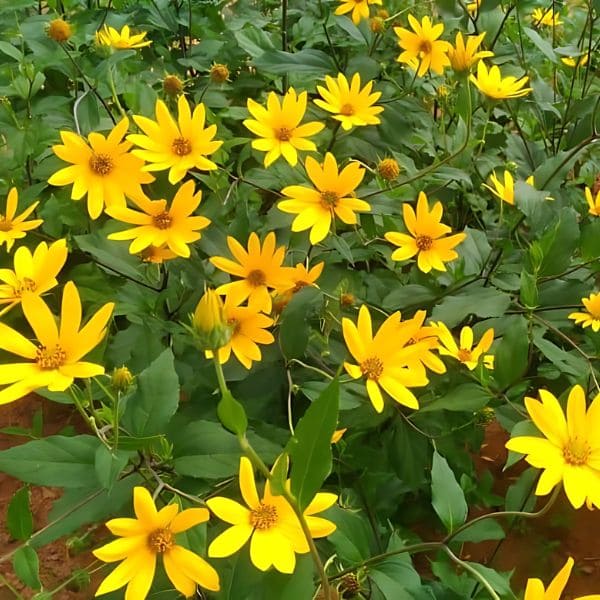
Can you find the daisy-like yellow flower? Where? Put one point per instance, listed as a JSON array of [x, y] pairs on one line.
[[535, 588], [248, 329], [473, 7], [260, 269], [423, 51], [150, 535], [278, 127], [176, 145], [33, 273], [504, 191], [575, 62], [269, 522], [384, 359], [570, 449], [427, 237], [464, 351], [12, 227], [493, 85], [56, 359], [545, 16], [464, 56], [593, 203], [121, 40], [591, 318], [349, 104], [331, 196], [299, 277], [359, 9], [426, 358], [103, 168], [157, 225]]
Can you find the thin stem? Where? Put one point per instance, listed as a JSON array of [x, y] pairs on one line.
[[113, 89], [220, 376], [474, 572], [284, 39]]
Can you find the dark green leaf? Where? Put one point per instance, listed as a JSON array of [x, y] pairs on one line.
[[466, 397], [109, 464], [512, 354], [232, 414], [447, 497], [18, 517], [27, 567]]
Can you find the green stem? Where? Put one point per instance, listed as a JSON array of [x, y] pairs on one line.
[[89, 420], [220, 376], [115, 97], [474, 572]]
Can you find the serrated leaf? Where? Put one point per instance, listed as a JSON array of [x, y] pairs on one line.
[[447, 497]]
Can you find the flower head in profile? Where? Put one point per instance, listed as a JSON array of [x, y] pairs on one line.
[[158, 225], [464, 56], [121, 40], [426, 359], [535, 587], [55, 361], [473, 7], [569, 450], [150, 535], [576, 61], [384, 358], [101, 167], [426, 237], [33, 273], [248, 328], [358, 8], [269, 522], [590, 318], [179, 145], [260, 269], [331, 196], [593, 203], [422, 50], [13, 227], [545, 16], [464, 351], [350, 105], [493, 85], [505, 191], [278, 127], [209, 324]]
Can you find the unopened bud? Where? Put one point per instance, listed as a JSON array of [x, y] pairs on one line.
[[383, 14], [347, 300], [377, 25], [121, 379], [172, 85], [219, 73], [209, 322], [59, 30], [388, 168]]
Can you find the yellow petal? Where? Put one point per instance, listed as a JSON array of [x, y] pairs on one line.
[[228, 510], [189, 518], [230, 541]]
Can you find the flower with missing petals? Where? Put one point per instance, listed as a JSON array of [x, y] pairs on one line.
[[493, 85], [593, 203], [464, 56], [14, 227], [358, 8], [464, 352], [121, 40], [590, 318]]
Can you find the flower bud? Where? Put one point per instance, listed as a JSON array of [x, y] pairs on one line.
[[219, 73], [121, 379], [172, 85], [377, 25], [347, 300], [59, 30], [388, 168], [209, 322]]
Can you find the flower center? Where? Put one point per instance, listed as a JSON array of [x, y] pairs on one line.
[[577, 451], [162, 221], [25, 285], [256, 278], [5, 224], [181, 146], [50, 358], [263, 517], [424, 242], [329, 199], [347, 110], [464, 355], [160, 540], [372, 368], [424, 48], [235, 326], [283, 134], [101, 164]]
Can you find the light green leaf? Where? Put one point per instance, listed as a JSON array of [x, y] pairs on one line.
[[447, 497]]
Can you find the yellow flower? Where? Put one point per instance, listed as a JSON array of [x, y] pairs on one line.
[[121, 40], [59, 30], [359, 8], [259, 268], [545, 16], [591, 318], [579, 61], [463, 57], [176, 145], [427, 237], [270, 523], [157, 226], [143, 539], [383, 359], [157, 255], [535, 588], [350, 105], [103, 168], [473, 7], [13, 228], [121, 379], [331, 196], [218, 73], [426, 359], [593, 203], [505, 191], [465, 353], [247, 326], [278, 127], [338, 434], [570, 449], [422, 49], [493, 85], [33, 273], [56, 360], [209, 322], [300, 277]]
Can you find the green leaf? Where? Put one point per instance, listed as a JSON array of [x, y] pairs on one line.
[[232, 414], [279, 474], [395, 575], [306, 61], [55, 461], [27, 567], [466, 397], [488, 529], [512, 354], [11, 51], [310, 448], [156, 398], [544, 47], [294, 331], [109, 464], [447, 497], [18, 517]]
